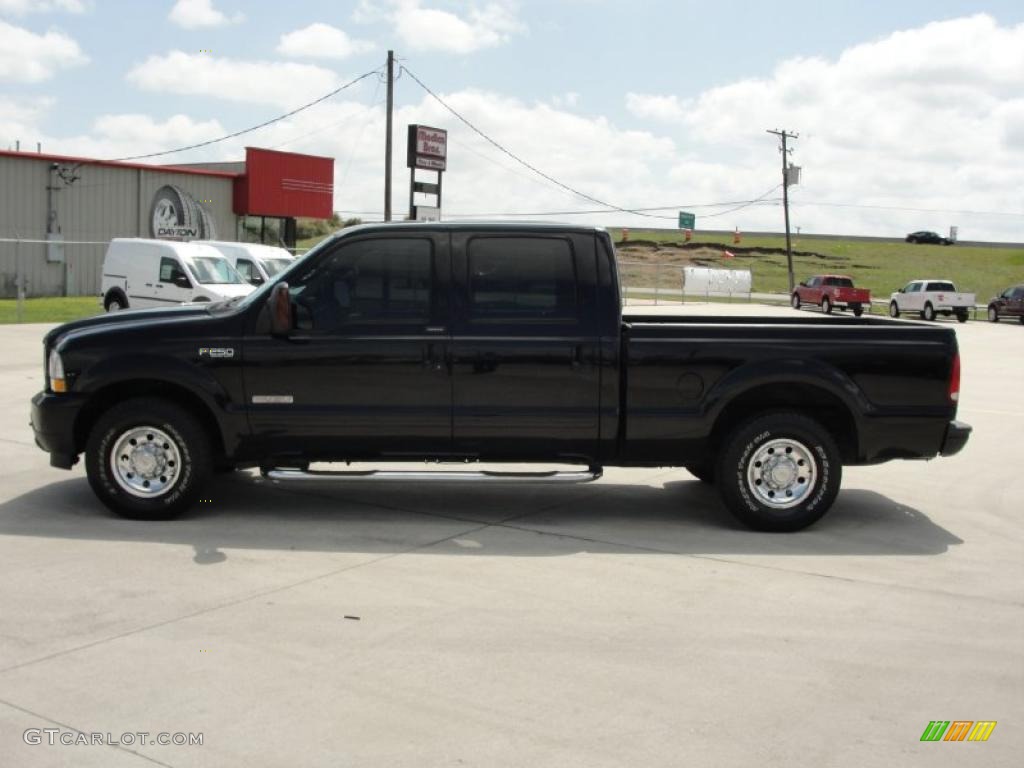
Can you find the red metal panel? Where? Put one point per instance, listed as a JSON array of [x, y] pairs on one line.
[[285, 184]]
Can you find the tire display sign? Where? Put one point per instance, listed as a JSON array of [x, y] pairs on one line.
[[176, 215], [427, 148]]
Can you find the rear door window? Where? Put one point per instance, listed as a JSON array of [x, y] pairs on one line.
[[514, 278], [948, 287]]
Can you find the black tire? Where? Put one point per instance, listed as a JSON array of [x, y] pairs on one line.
[[115, 301], [993, 315], [826, 305], [961, 317], [1021, 318], [823, 471], [794, 301], [857, 310], [703, 472], [189, 472], [894, 309], [928, 313]]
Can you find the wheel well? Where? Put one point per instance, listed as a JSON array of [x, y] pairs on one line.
[[113, 394], [815, 402]]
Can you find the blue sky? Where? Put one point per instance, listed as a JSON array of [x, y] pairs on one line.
[[641, 103]]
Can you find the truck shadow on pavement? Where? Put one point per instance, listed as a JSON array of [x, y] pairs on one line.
[[682, 517]]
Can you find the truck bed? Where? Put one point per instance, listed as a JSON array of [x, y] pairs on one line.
[[884, 381]]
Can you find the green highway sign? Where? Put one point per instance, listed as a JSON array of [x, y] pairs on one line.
[[687, 220]]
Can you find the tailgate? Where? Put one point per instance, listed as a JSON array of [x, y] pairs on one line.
[[854, 295]]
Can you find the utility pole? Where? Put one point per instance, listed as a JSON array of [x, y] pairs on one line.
[[783, 135], [387, 139]]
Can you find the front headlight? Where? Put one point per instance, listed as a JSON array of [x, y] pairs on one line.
[[55, 372]]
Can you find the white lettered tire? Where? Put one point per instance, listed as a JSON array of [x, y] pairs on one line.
[[779, 472], [147, 458]]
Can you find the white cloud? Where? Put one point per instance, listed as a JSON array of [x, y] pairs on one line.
[[21, 7], [431, 29], [321, 41], [655, 107], [284, 84], [931, 117], [569, 99], [30, 58], [871, 133], [194, 14]]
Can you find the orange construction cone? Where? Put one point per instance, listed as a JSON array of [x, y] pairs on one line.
[[736, 236], [688, 234], [625, 235]]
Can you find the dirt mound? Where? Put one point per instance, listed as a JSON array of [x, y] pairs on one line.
[[647, 246]]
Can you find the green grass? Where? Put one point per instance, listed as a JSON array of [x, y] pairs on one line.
[[50, 310], [882, 267]]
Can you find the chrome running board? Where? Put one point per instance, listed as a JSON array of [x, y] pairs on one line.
[[426, 476]]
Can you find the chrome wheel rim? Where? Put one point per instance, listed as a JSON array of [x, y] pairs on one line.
[[795, 302], [145, 462], [893, 311], [781, 473]]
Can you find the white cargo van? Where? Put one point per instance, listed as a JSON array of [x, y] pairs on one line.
[[141, 273], [255, 262]]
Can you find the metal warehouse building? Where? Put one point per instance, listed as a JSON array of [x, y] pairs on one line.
[[58, 213]]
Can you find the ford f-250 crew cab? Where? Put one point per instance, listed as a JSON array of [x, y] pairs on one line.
[[486, 342]]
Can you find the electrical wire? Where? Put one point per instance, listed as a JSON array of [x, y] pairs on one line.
[[264, 124], [523, 162]]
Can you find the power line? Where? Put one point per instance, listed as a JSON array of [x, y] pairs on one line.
[[264, 124], [523, 162]]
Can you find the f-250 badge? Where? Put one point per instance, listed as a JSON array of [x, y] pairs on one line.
[[216, 352]]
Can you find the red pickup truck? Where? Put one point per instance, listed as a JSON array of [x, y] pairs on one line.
[[832, 291]]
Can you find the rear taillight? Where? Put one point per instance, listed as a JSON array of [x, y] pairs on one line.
[[954, 380]]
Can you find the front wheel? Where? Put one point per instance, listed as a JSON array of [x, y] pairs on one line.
[[894, 309], [826, 305], [993, 315], [147, 458], [779, 472], [795, 301], [928, 313]]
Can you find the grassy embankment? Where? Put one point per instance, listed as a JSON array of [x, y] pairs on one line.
[[881, 266]]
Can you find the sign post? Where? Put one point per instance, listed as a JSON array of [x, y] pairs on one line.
[[427, 148]]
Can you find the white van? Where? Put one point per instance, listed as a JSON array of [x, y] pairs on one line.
[[141, 273], [255, 262]]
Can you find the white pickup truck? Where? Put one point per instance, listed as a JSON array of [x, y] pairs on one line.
[[931, 298]]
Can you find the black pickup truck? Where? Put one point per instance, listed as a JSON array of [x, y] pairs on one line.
[[486, 342]]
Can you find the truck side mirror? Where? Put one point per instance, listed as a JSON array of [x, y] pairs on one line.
[[280, 304], [803, 283], [181, 280]]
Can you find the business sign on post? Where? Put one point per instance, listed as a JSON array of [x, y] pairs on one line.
[[687, 220], [427, 148]]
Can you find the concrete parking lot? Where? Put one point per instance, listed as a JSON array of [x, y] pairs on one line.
[[624, 623]]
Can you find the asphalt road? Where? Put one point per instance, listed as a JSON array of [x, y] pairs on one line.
[[625, 623]]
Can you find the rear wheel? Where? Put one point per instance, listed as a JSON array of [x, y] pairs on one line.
[[795, 301], [826, 305], [779, 472], [929, 312], [147, 458], [857, 309], [961, 317], [894, 309], [993, 315]]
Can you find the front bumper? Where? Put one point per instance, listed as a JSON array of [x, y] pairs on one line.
[[956, 438], [53, 422]]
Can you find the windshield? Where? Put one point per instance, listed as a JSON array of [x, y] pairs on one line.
[[214, 270], [275, 266]]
